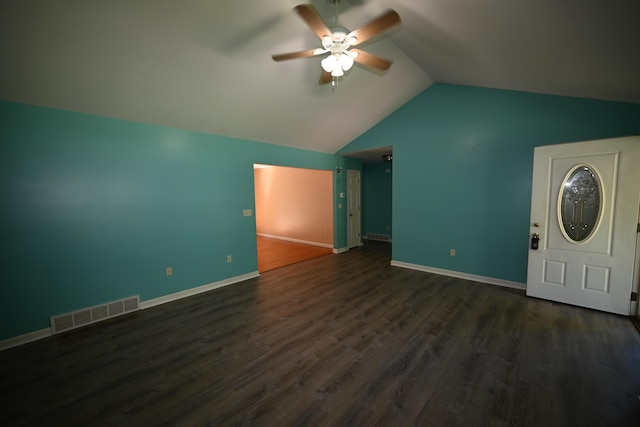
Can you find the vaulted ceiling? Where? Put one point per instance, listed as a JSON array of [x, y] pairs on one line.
[[206, 65]]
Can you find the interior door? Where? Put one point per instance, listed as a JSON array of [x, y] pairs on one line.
[[584, 209], [353, 208]]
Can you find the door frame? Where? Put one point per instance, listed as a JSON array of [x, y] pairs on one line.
[[354, 211], [635, 305]]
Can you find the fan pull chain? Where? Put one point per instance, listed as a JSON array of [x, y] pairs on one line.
[[335, 89]]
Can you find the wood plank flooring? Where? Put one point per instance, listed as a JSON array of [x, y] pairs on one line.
[[339, 340], [276, 253]]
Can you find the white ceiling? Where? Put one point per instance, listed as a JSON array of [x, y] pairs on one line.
[[206, 65]]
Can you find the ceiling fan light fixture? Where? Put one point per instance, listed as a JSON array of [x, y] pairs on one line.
[[328, 63], [345, 61], [337, 41]]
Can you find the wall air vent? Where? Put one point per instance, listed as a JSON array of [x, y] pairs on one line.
[[379, 237], [87, 316]]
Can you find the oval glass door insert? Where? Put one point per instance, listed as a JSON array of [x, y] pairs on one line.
[[580, 203]]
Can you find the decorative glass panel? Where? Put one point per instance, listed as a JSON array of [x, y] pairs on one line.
[[580, 203]]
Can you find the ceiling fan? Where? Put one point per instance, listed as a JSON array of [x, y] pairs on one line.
[[337, 42]]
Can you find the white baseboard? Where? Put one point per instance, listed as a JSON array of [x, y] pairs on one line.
[[304, 242], [195, 291], [340, 250], [25, 339], [44, 333], [451, 273]]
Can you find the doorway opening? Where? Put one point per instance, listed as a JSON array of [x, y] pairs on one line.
[[294, 214], [377, 193]]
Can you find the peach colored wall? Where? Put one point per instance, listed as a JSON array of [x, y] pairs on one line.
[[294, 203]]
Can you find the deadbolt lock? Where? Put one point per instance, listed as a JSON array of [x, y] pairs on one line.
[[535, 241]]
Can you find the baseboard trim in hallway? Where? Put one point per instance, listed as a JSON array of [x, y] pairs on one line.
[[459, 275], [195, 291]]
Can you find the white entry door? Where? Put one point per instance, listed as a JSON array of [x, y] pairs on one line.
[[353, 208], [584, 207]]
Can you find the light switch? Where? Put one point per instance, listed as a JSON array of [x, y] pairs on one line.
[[247, 212]]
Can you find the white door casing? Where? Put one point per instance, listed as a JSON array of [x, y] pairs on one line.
[[353, 208], [596, 272], [635, 305]]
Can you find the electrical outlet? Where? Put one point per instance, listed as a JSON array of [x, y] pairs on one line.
[[168, 271], [228, 258], [452, 252]]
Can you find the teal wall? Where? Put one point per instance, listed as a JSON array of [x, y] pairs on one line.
[[94, 209], [376, 198], [462, 165]]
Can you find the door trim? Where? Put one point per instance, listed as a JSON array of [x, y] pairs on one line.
[[355, 210]]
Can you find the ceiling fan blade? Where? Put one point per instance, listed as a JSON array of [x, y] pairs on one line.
[[375, 27], [325, 78], [301, 54], [370, 60], [310, 15]]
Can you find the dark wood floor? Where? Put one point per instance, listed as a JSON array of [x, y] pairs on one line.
[[334, 341], [276, 253]]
